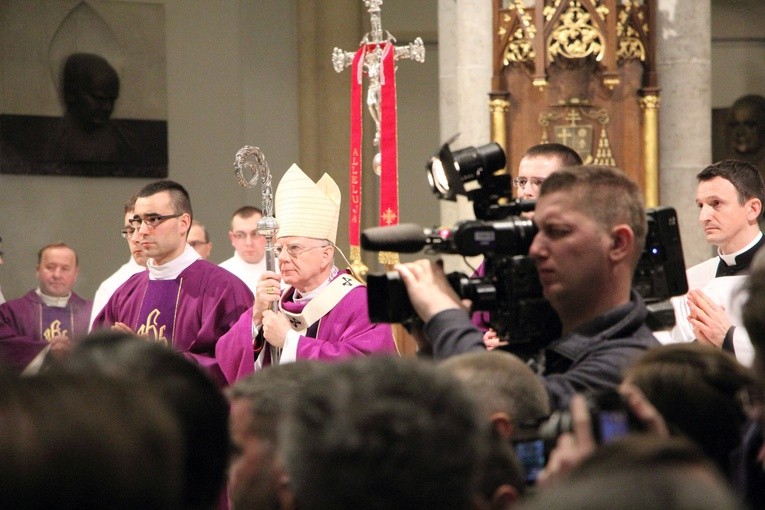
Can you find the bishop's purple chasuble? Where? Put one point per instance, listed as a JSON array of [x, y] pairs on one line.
[[345, 331]]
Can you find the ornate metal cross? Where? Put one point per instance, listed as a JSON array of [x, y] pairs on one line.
[[373, 59], [376, 57]]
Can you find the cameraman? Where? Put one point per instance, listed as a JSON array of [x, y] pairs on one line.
[[536, 165], [592, 228]]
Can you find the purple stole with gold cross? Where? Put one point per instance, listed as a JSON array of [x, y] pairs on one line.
[[55, 322], [156, 320]]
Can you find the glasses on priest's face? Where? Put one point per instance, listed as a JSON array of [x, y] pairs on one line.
[[151, 221], [294, 250]]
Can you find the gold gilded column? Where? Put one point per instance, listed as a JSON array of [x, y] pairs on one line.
[[498, 108], [649, 104]]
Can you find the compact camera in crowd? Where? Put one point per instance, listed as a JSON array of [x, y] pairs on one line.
[[509, 287], [610, 417]]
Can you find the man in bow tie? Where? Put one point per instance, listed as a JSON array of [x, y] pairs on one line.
[[730, 196]]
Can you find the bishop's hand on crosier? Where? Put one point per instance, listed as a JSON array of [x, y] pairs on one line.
[[267, 291]]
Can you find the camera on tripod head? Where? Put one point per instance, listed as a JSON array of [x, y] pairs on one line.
[[509, 287]]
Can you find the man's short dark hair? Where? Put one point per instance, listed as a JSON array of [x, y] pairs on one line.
[[188, 392], [566, 155], [744, 176], [87, 442], [697, 389], [384, 433], [270, 391], [204, 230], [606, 195], [266, 394], [178, 195], [130, 204]]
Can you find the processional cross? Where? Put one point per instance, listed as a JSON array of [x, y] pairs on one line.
[[376, 57]]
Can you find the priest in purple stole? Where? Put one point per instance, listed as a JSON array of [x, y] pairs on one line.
[[322, 312], [45, 320], [182, 300]]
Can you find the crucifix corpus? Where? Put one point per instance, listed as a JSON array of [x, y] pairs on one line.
[[376, 57]]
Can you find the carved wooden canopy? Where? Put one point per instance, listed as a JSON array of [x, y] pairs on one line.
[[581, 73]]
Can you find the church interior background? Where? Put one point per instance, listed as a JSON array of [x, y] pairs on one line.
[[259, 72]]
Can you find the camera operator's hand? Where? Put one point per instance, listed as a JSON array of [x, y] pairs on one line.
[[652, 420], [428, 289], [572, 447], [491, 340]]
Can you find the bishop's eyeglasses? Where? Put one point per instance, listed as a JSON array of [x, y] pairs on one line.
[[294, 250]]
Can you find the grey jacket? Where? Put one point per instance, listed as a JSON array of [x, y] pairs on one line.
[[593, 357]]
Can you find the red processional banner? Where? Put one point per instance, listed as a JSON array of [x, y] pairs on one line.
[[388, 142]]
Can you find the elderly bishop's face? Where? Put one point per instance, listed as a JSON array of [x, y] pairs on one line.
[[304, 262]]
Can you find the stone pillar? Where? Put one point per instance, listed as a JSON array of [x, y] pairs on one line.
[[464, 38], [685, 133]]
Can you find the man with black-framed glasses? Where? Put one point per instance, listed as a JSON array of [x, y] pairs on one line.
[[322, 313], [182, 300], [536, 165]]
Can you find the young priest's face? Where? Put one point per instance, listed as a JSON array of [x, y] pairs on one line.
[[166, 240]]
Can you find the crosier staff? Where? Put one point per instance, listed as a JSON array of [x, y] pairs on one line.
[[257, 167]]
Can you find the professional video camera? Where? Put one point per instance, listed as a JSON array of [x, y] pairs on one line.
[[509, 288]]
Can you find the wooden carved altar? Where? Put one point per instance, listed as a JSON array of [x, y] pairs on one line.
[[581, 73]]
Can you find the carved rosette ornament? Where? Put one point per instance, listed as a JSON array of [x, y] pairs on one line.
[[575, 35]]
